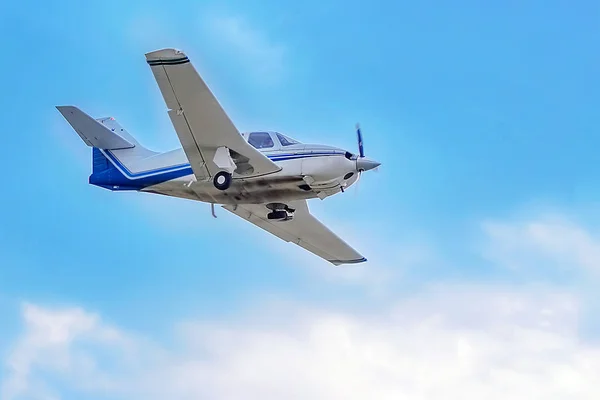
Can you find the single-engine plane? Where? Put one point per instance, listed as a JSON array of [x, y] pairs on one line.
[[264, 177]]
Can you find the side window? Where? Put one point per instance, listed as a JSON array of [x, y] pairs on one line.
[[285, 141], [260, 140]]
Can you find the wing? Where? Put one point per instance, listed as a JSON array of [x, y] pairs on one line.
[[199, 120], [304, 230]]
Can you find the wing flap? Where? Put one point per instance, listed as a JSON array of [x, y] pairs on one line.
[[208, 126], [303, 230]]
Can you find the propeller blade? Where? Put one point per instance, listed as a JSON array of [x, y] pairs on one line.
[[361, 150]]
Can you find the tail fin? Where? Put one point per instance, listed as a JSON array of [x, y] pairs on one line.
[[107, 137], [99, 162]]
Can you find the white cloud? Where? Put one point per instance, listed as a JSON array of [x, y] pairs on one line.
[[449, 342], [549, 241], [261, 55], [51, 343]]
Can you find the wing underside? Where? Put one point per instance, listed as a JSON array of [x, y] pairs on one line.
[[304, 230], [199, 120]]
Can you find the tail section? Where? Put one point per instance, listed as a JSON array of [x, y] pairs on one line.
[[108, 139], [110, 173], [119, 161]]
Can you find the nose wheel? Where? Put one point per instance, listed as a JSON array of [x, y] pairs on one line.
[[222, 180]]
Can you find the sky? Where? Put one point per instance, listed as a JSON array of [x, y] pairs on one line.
[[481, 225]]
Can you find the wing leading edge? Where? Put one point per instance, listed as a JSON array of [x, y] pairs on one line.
[[199, 120], [304, 230]]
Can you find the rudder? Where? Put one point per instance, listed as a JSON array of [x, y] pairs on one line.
[[99, 162]]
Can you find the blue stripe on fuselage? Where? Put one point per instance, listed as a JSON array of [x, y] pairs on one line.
[[119, 177]]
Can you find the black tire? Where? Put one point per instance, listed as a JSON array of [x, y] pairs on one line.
[[222, 180], [278, 215]]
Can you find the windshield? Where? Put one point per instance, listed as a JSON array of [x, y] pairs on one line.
[[286, 141], [261, 140]]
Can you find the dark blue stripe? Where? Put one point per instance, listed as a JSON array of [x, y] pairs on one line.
[[164, 170], [113, 179]]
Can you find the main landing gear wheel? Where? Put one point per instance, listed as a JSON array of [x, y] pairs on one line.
[[222, 180]]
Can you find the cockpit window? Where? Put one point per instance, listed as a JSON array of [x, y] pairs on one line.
[[261, 140], [286, 141]]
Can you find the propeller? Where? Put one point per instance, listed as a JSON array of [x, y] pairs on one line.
[[362, 163], [361, 150], [361, 154]]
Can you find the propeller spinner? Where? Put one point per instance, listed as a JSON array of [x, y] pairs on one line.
[[363, 163]]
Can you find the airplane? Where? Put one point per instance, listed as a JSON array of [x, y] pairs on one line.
[[265, 177]]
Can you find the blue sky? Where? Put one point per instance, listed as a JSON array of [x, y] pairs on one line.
[[482, 115]]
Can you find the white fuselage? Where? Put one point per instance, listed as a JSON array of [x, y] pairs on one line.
[[307, 171]]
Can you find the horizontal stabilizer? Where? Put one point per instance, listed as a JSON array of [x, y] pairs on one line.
[[92, 132]]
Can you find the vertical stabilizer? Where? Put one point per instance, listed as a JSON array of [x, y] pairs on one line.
[[99, 162]]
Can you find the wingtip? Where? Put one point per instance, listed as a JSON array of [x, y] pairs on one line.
[[337, 263], [165, 54]]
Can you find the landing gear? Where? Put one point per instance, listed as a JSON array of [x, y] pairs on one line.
[[279, 215], [280, 212], [222, 180]]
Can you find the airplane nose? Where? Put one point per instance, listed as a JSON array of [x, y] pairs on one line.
[[364, 164]]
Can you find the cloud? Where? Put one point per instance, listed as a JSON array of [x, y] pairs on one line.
[[261, 55], [50, 343], [450, 342], [549, 241]]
